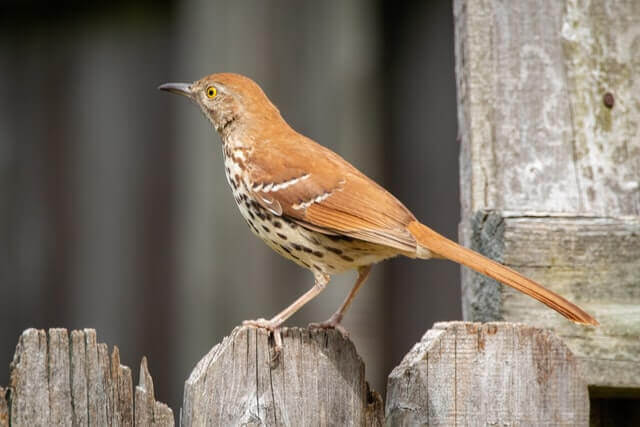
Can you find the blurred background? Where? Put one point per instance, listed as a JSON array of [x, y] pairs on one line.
[[114, 210]]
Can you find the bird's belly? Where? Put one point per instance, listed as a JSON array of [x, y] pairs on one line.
[[313, 250]]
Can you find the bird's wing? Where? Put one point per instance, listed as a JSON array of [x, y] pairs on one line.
[[321, 191]]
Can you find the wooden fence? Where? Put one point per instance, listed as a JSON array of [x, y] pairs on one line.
[[550, 163], [460, 373]]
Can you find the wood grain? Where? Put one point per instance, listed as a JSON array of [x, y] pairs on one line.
[[318, 380], [57, 379], [475, 374]]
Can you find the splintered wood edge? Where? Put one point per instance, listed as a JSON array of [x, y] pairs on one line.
[[148, 410], [70, 378]]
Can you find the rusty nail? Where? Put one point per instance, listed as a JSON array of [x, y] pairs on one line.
[[608, 100]]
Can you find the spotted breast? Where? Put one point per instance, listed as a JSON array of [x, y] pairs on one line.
[[319, 252]]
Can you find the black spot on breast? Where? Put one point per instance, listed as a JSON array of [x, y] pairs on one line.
[[318, 254], [317, 267], [334, 250], [346, 258], [307, 250], [296, 246], [251, 215], [282, 236], [277, 224], [265, 228], [284, 248]]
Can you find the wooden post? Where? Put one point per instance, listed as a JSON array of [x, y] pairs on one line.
[[57, 379], [550, 167], [317, 380], [464, 373]]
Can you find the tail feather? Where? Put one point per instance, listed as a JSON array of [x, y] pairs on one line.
[[443, 247]]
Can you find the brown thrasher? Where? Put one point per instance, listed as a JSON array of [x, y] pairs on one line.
[[314, 208]]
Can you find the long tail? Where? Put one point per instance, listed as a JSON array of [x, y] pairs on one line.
[[441, 246]]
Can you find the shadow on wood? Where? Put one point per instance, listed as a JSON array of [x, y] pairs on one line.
[[464, 373], [60, 381], [319, 378]]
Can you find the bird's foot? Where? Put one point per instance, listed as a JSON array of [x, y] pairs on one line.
[[273, 326], [331, 323], [269, 325]]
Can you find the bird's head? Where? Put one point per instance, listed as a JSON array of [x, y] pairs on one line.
[[230, 101]]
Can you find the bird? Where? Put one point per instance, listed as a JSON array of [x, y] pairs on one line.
[[316, 209]]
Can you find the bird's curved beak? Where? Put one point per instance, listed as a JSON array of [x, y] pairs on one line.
[[177, 88]]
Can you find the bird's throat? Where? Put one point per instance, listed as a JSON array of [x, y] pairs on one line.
[[227, 125]]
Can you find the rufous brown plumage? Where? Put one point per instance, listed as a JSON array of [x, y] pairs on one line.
[[315, 208]]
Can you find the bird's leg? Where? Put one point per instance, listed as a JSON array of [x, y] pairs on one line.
[[274, 323], [334, 321]]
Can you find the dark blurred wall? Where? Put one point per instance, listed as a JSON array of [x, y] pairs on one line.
[[421, 167], [114, 210], [87, 176]]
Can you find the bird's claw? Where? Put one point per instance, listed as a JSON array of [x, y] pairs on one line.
[[274, 328], [332, 323], [269, 325]]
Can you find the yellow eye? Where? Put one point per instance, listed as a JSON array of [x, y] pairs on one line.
[[211, 92]]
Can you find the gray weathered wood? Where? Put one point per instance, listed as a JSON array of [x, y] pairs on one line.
[[4, 408], [592, 261], [148, 411], [60, 381], [317, 380], [59, 384], [536, 135], [550, 175], [475, 374]]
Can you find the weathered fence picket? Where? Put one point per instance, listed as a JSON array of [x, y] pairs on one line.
[[318, 376], [499, 373], [461, 373], [69, 379]]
